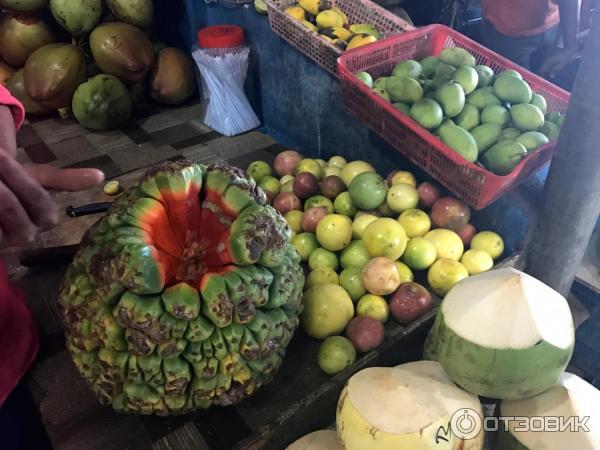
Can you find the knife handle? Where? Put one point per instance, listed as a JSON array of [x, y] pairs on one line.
[[85, 210]]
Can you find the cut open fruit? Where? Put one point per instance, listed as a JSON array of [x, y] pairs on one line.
[[185, 294]]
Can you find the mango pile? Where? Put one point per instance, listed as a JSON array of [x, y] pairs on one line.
[[95, 60], [373, 247], [333, 24], [493, 119]]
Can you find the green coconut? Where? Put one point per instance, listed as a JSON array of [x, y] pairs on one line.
[[502, 334], [77, 17], [570, 397], [102, 103]]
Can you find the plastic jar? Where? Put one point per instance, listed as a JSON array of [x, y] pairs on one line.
[[222, 59]]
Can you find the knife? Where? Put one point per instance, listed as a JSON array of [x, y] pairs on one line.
[[85, 210]]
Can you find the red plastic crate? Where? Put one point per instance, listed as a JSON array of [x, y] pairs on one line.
[[312, 43], [476, 185]]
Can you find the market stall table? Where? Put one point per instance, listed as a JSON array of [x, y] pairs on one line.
[[301, 397]]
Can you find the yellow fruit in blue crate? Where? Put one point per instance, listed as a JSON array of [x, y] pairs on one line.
[[365, 28], [329, 19], [360, 39], [296, 12], [309, 25], [314, 7], [341, 13], [336, 33]]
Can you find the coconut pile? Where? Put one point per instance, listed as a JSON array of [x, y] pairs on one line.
[[500, 335], [96, 60]]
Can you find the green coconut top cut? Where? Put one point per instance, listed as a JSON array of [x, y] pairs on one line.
[[502, 334], [508, 309]]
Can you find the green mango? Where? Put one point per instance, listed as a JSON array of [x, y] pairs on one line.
[[526, 117], [428, 65], [468, 118], [409, 68], [136, 12], [539, 101], [551, 130], [482, 97], [79, 17], [404, 89], [553, 116], [452, 99], [495, 114], [379, 83], [365, 77], [459, 140], [486, 135], [510, 73], [485, 74], [532, 140], [457, 56], [444, 73], [428, 113], [512, 89], [503, 157], [467, 77], [402, 107], [382, 93], [509, 134]]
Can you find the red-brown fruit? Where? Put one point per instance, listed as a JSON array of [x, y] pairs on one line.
[[450, 213], [409, 302], [365, 333], [286, 162], [428, 195], [305, 185], [466, 233], [287, 201], [312, 217], [332, 186]]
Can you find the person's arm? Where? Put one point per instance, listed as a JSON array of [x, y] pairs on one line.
[[569, 27], [26, 208]]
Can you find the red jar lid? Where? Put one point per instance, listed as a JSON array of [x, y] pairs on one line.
[[221, 36]]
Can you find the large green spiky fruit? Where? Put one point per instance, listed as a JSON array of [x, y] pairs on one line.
[[502, 334], [185, 294], [563, 407]]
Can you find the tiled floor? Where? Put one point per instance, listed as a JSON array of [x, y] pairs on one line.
[[154, 135]]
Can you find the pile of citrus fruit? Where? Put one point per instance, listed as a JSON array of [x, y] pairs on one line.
[[365, 239]]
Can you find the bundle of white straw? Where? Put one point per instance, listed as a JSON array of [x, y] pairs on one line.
[[228, 111]]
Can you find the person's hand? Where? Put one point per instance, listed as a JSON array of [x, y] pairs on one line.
[[26, 207], [560, 59]]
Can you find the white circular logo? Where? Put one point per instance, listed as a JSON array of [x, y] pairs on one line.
[[466, 424]]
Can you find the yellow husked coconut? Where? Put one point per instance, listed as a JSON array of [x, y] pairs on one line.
[[379, 410]]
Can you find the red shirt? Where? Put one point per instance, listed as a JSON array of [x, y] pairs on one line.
[[18, 335], [521, 18]]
